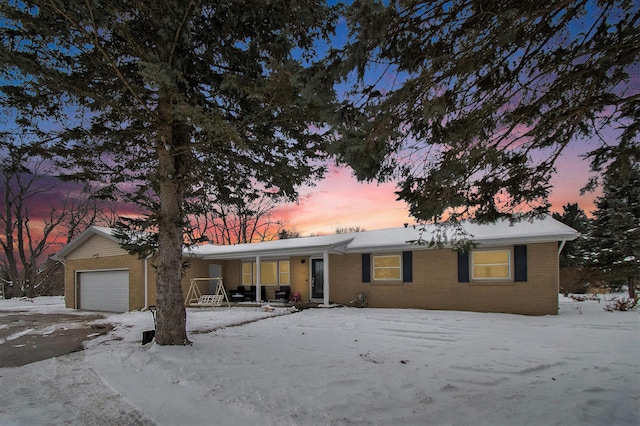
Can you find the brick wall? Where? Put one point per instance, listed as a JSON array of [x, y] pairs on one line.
[[435, 284]]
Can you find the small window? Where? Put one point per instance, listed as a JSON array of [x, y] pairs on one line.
[[284, 272], [491, 265], [387, 268], [247, 273]]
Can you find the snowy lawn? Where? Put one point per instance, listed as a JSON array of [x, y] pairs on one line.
[[341, 366]]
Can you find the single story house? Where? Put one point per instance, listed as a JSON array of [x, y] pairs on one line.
[[513, 268]]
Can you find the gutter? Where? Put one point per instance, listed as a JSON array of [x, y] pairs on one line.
[[564, 241], [484, 242], [336, 248]]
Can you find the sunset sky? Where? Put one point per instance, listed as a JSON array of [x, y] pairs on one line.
[[341, 201]]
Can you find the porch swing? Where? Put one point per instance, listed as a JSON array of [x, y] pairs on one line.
[[195, 298]]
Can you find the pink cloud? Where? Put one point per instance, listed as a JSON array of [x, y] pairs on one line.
[[573, 172], [340, 201]]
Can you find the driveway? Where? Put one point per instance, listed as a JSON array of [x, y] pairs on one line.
[[32, 337]]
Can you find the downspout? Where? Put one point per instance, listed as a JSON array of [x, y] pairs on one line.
[[325, 276], [562, 243], [64, 281]]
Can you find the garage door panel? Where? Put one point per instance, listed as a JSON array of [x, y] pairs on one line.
[[104, 290]]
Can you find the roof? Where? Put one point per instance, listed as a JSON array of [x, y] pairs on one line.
[[502, 232], [499, 233], [305, 246]]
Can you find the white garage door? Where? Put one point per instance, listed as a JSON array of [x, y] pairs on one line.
[[104, 290]]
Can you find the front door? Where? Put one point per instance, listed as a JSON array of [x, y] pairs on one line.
[[317, 278], [215, 271]]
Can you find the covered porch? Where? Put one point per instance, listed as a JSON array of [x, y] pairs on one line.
[[271, 271]]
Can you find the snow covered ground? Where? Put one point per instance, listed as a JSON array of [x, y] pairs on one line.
[[341, 366]]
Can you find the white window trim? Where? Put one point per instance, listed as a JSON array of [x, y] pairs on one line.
[[509, 265], [242, 273], [373, 268], [280, 273]]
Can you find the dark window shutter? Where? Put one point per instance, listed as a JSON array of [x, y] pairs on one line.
[[520, 262], [407, 266], [463, 267], [366, 268]]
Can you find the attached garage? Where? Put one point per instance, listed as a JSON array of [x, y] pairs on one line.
[[103, 290], [99, 275]]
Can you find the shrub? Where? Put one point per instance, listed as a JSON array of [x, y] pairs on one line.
[[583, 297], [621, 304]]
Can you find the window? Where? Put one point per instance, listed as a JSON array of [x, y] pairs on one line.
[[271, 273], [387, 268], [491, 265], [247, 273], [284, 272]]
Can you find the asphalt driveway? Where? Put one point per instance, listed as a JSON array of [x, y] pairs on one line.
[[31, 337]]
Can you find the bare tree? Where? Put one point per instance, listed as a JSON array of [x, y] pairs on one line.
[[245, 220], [287, 234], [33, 220], [85, 211], [349, 229]]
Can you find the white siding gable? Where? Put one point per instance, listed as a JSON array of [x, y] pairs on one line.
[[96, 246]]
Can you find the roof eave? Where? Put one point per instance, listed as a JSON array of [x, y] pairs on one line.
[[383, 248], [338, 248], [531, 239]]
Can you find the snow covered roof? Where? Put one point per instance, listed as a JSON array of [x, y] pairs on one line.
[[500, 233], [290, 247], [503, 232]]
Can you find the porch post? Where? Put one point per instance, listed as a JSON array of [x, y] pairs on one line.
[[325, 274], [258, 278]]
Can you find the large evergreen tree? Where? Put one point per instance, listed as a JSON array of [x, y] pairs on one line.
[[165, 102], [469, 103], [614, 242], [573, 216]]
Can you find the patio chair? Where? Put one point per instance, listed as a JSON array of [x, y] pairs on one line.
[[283, 293]]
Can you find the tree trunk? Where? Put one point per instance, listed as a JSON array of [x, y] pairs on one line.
[[631, 287], [171, 327]]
